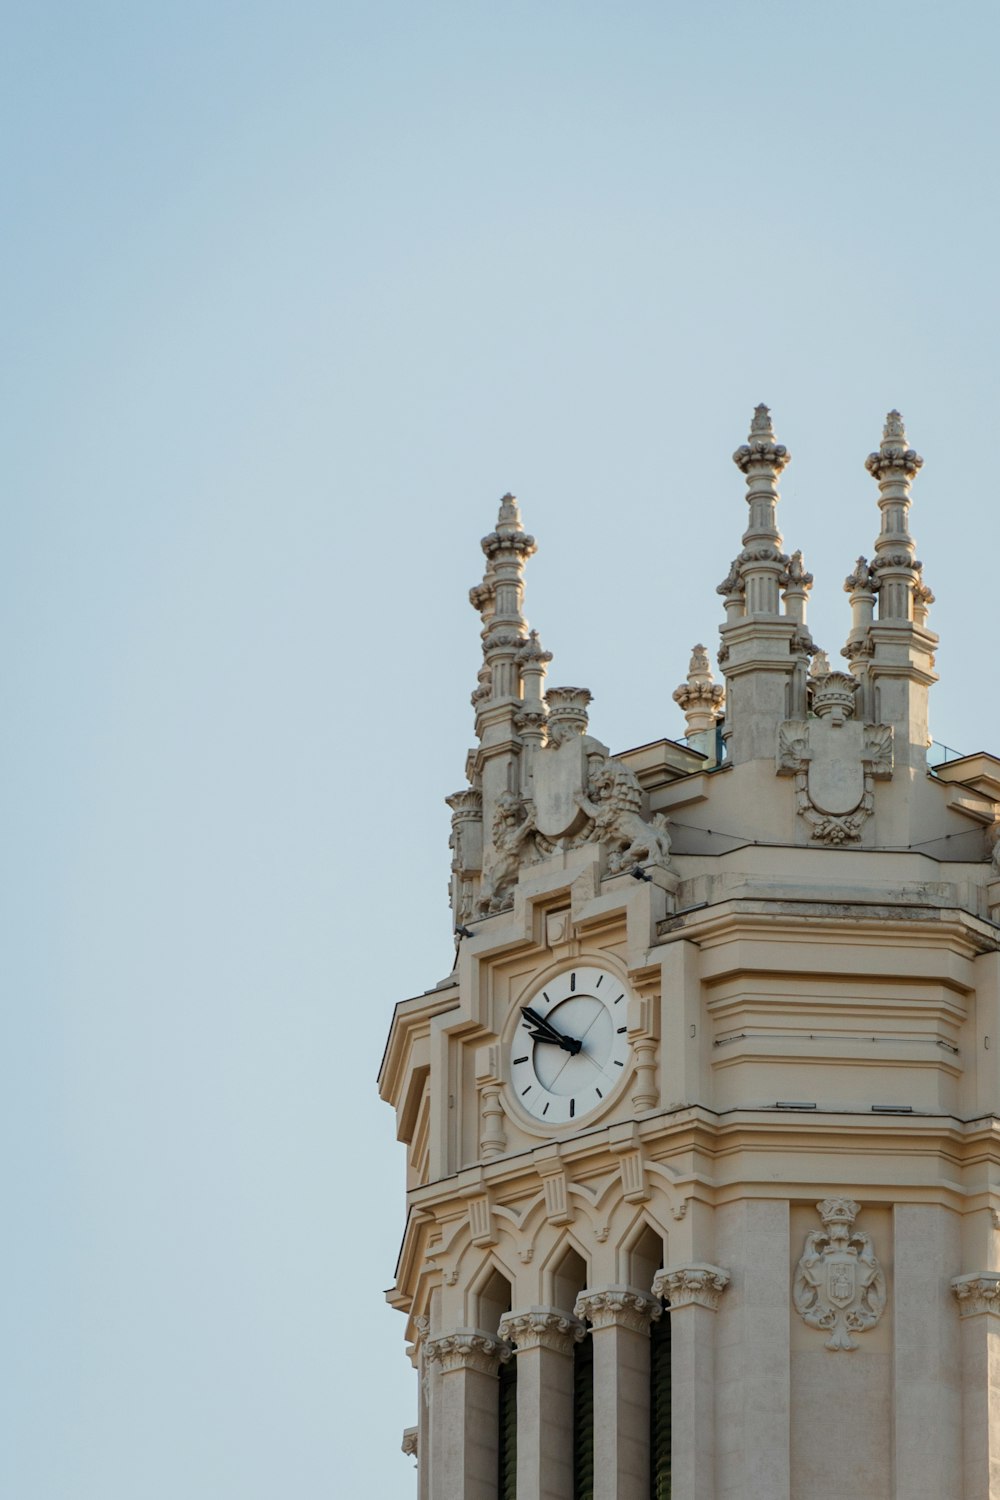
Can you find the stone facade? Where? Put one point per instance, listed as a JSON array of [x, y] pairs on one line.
[[721, 1045]]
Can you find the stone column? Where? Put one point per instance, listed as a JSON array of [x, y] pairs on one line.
[[620, 1317], [926, 1354], [544, 1339], [979, 1307], [464, 1416], [693, 1292]]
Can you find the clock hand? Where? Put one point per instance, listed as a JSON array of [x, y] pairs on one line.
[[544, 1031]]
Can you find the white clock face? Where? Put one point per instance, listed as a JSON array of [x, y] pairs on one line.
[[570, 1049]]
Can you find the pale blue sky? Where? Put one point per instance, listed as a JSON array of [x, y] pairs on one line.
[[292, 295]]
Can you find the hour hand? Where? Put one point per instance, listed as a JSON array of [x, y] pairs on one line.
[[543, 1031]]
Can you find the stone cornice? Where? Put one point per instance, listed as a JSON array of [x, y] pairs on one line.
[[410, 1019], [978, 1292], [467, 1349], [618, 1307], [541, 1328], [696, 1285]]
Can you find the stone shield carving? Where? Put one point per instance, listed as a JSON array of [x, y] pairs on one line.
[[835, 777], [839, 1285], [558, 787], [835, 760]]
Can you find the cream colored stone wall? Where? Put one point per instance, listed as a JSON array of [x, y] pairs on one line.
[[801, 1150]]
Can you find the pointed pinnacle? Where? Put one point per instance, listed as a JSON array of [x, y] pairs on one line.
[[893, 454], [761, 427], [510, 514], [894, 432], [761, 446]]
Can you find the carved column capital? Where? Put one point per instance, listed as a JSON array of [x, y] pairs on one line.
[[696, 1285], [410, 1443], [468, 1349], [618, 1306], [541, 1328], [978, 1292]]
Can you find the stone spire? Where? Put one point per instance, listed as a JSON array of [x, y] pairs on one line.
[[762, 563], [894, 567], [765, 648], [499, 599], [530, 721], [508, 701], [893, 654], [701, 699]]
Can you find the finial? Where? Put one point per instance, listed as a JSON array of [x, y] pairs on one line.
[[761, 447], [861, 578], [820, 665], [567, 708], [532, 651], [834, 696], [510, 514], [700, 696], [894, 431], [761, 424], [699, 665], [893, 454]]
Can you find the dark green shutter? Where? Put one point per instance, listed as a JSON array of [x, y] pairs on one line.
[[507, 1485], [659, 1407], [583, 1420]]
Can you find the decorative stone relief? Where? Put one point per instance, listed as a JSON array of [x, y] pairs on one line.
[[583, 794], [835, 761], [492, 1135], [839, 1285], [695, 1285], [618, 1306], [580, 794], [635, 1188], [555, 1185], [700, 696], [513, 824], [542, 1328], [410, 1441], [977, 1293], [481, 1228], [466, 844], [469, 1349], [613, 806]]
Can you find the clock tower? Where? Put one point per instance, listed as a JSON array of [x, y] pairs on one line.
[[703, 1165]]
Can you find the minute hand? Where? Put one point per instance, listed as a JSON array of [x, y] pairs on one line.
[[543, 1031]]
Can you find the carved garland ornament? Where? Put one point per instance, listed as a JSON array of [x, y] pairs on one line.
[[839, 1285]]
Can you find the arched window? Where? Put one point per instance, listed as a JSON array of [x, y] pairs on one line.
[[569, 1279], [583, 1419], [659, 1407], [494, 1300], [645, 1259], [507, 1436]]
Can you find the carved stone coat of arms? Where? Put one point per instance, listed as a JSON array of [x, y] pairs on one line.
[[839, 1284], [835, 761]]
